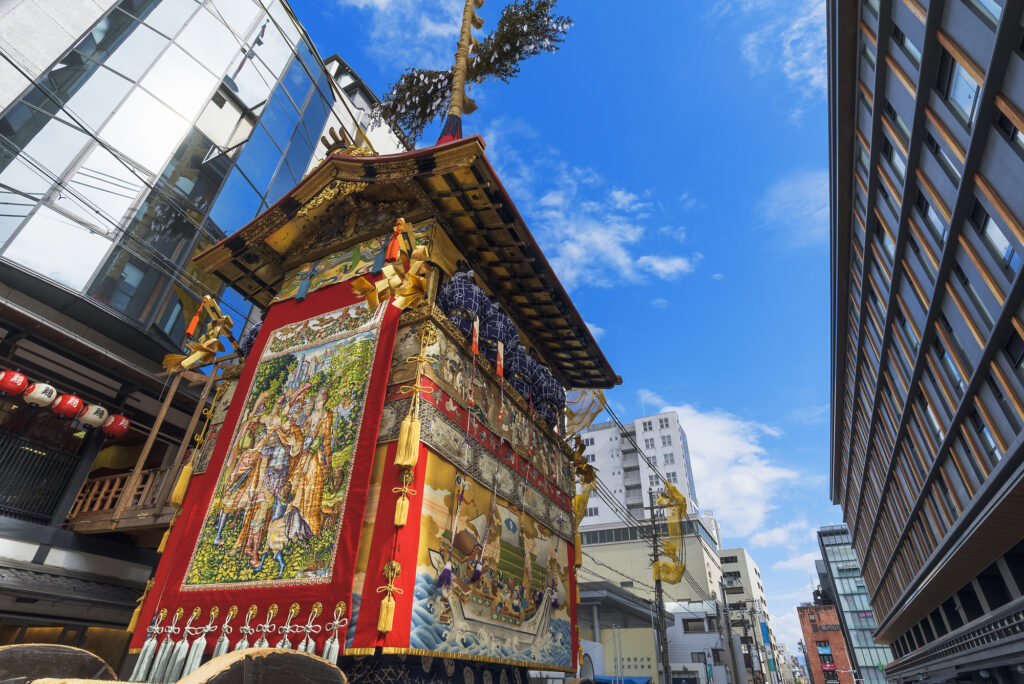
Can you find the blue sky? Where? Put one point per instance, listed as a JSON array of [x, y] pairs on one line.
[[672, 163]]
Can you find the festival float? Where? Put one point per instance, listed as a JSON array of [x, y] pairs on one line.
[[392, 482]]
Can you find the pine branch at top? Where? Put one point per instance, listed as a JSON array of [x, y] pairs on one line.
[[526, 28]]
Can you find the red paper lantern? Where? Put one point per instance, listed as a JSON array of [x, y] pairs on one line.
[[67, 406], [93, 415], [116, 425], [12, 382], [40, 394]]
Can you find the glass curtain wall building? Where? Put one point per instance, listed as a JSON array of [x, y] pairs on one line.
[[169, 125], [926, 109], [851, 597]]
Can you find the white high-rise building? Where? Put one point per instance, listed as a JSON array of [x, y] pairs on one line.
[[617, 456]]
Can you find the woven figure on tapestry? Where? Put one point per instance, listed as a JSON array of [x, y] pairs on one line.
[[548, 395], [497, 327], [278, 504], [249, 339], [519, 370], [462, 301]]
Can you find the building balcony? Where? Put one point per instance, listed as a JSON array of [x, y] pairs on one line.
[[631, 479], [145, 506], [630, 460]]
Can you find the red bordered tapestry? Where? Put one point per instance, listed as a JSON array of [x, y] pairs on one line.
[[277, 517]]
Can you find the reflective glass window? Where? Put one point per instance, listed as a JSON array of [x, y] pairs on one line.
[[137, 52], [179, 81], [254, 74], [145, 130], [279, 118], [963, 92], [297, 82], [284, 181], [298, 155], [196, 172], [236, 204], [315, 117], [96, 99], [208, 40], [58, 247], [15, 208], [259, 158], [53, 149], [238, 14], [101, 183], [170, 15], [129, 283]]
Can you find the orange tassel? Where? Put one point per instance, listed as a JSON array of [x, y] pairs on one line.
[[191, 329]]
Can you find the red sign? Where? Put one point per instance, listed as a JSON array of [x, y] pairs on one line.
[[828, 667]]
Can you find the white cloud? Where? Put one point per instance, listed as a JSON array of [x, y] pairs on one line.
[[627, 201], [677, 233], [810, 415], [404, 33], [669, 268], [659, 303], [796, 206], [787, 626], [591, 234], [790, 40], [597, 332], [732, 471], [649, 397], [785, 535], [688, 201], [804, 561], [718, 276]]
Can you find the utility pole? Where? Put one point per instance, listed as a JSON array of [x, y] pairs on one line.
[[728, 631], [659, 597]]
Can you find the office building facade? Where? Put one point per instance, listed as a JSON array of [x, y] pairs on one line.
[[616, 453], [748, 611], [132, 135], [926, 157], [828, 659], [849, 592]]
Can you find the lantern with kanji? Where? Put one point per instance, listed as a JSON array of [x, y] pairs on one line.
[[40, 394], [93, 415], [67, 406], [115, 425], [12, 382]]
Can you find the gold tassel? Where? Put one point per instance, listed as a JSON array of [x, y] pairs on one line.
[[408, 441], [181, 486], [386, 620], [401, 511], [578, 559], [134, 622], [167, 534], [409, 434]]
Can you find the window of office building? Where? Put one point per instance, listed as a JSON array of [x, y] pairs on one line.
[[648, 425], [995, 238], [669, 458], [672, 477], [932, 218], [649, 443], [663, 423], [959, 89], [908, 46], [896, 160], [666, 440], [990, 10]]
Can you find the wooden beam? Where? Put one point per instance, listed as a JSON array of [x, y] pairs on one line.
[[896, 137], [1000, 206], [1010, 111], [901, 75], [868, 33], [945, 134], [969, 65], [936, 198], [916, 9], [133, 481]]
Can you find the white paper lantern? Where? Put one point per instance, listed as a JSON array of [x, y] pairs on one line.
[[93, 415], [40, 394]]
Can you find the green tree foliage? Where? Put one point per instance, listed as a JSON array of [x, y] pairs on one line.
[[270, 377], [526, 28]]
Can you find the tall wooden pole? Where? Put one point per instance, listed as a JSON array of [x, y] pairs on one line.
[[456, 106]]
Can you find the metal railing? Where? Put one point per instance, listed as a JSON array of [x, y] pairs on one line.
[[33, 478]]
